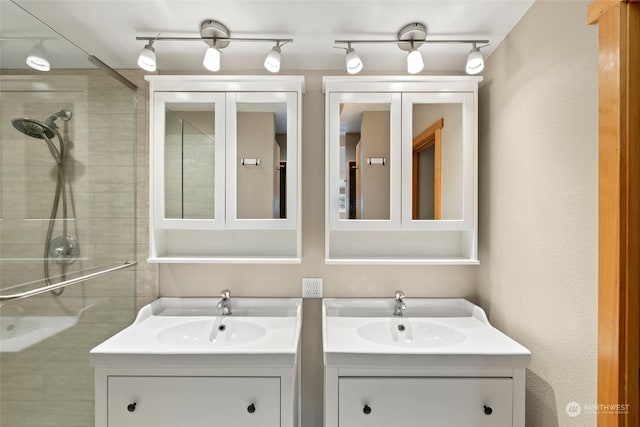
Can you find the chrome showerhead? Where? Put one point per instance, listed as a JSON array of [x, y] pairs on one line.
[[46, 130], [34, 128], [63, 114]]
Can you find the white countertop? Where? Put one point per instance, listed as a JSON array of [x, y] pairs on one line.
[[476, 341], [191, 327]]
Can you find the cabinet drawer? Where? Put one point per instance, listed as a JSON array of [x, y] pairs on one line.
[[425, 402], [193, 401]]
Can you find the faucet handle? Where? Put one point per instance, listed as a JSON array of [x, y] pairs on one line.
[[399, 295], [226, 294]]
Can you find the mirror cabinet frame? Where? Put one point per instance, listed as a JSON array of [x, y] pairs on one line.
[[224, 238], [402, 239]]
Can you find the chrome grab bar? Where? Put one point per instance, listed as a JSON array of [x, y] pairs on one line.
[[65, 283]]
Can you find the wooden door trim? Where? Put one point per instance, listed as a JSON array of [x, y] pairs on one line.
[[431, 136], [619, 210]]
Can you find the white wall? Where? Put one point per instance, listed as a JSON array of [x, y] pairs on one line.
[[538, 204]]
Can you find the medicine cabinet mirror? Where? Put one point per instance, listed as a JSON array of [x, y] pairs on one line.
[[190, 157], [401, 169], [365, 147], [225, 168]]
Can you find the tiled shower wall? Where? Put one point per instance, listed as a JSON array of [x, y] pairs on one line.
[[47, 380]]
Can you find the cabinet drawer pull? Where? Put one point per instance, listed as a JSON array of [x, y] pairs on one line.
[[366, 409], [488, 410], [131, 407], [251, 408]]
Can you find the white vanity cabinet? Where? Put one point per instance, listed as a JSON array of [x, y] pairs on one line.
[[225, 168], [440, 364], [401, 169], [183, 364], [193, 401]]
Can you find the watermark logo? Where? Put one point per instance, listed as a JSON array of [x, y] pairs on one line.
[[573, 409]]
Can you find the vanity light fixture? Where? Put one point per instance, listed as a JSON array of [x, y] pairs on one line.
[[37, 58], [211, 59], [272, 61], [410, 38], [475, 61], [217, 36], [353, 61], [147, 57], [415, 63]]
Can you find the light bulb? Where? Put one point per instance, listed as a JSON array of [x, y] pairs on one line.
[[272, 61], [211, 59], [475, 61], [37, 59], [147, 58], [415, 64], [354, 63]]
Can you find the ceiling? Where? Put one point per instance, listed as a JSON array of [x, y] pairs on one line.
[[108, 29]]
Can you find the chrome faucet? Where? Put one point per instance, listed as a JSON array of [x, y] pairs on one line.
[[225, 303], [400, 306]]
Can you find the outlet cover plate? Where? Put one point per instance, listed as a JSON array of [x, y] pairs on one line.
[[312, 287]]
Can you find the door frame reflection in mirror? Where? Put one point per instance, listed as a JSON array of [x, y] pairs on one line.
[[430, 137]]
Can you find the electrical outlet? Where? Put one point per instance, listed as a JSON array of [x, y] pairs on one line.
[[312, 287]]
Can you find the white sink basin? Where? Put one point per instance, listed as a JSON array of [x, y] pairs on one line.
[[407, 332], [450, 333], [219, 331], [192, 332]]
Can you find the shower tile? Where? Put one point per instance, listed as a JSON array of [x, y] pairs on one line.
[[111, 179], [26, 386]]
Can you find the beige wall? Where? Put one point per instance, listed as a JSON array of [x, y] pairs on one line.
[[538, 204]]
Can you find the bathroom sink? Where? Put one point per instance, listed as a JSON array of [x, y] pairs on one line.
[[217, 331], [193, 332], [407, 332], [447, 332]]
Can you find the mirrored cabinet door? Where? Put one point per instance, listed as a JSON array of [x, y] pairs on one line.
[[364, 160], [188, 159], [438, 161], [260, 192]]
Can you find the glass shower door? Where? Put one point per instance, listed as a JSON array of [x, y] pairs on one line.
[[67, 210]]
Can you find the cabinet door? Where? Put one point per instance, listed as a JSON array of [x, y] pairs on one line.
[[193, 401], [425, 402]]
